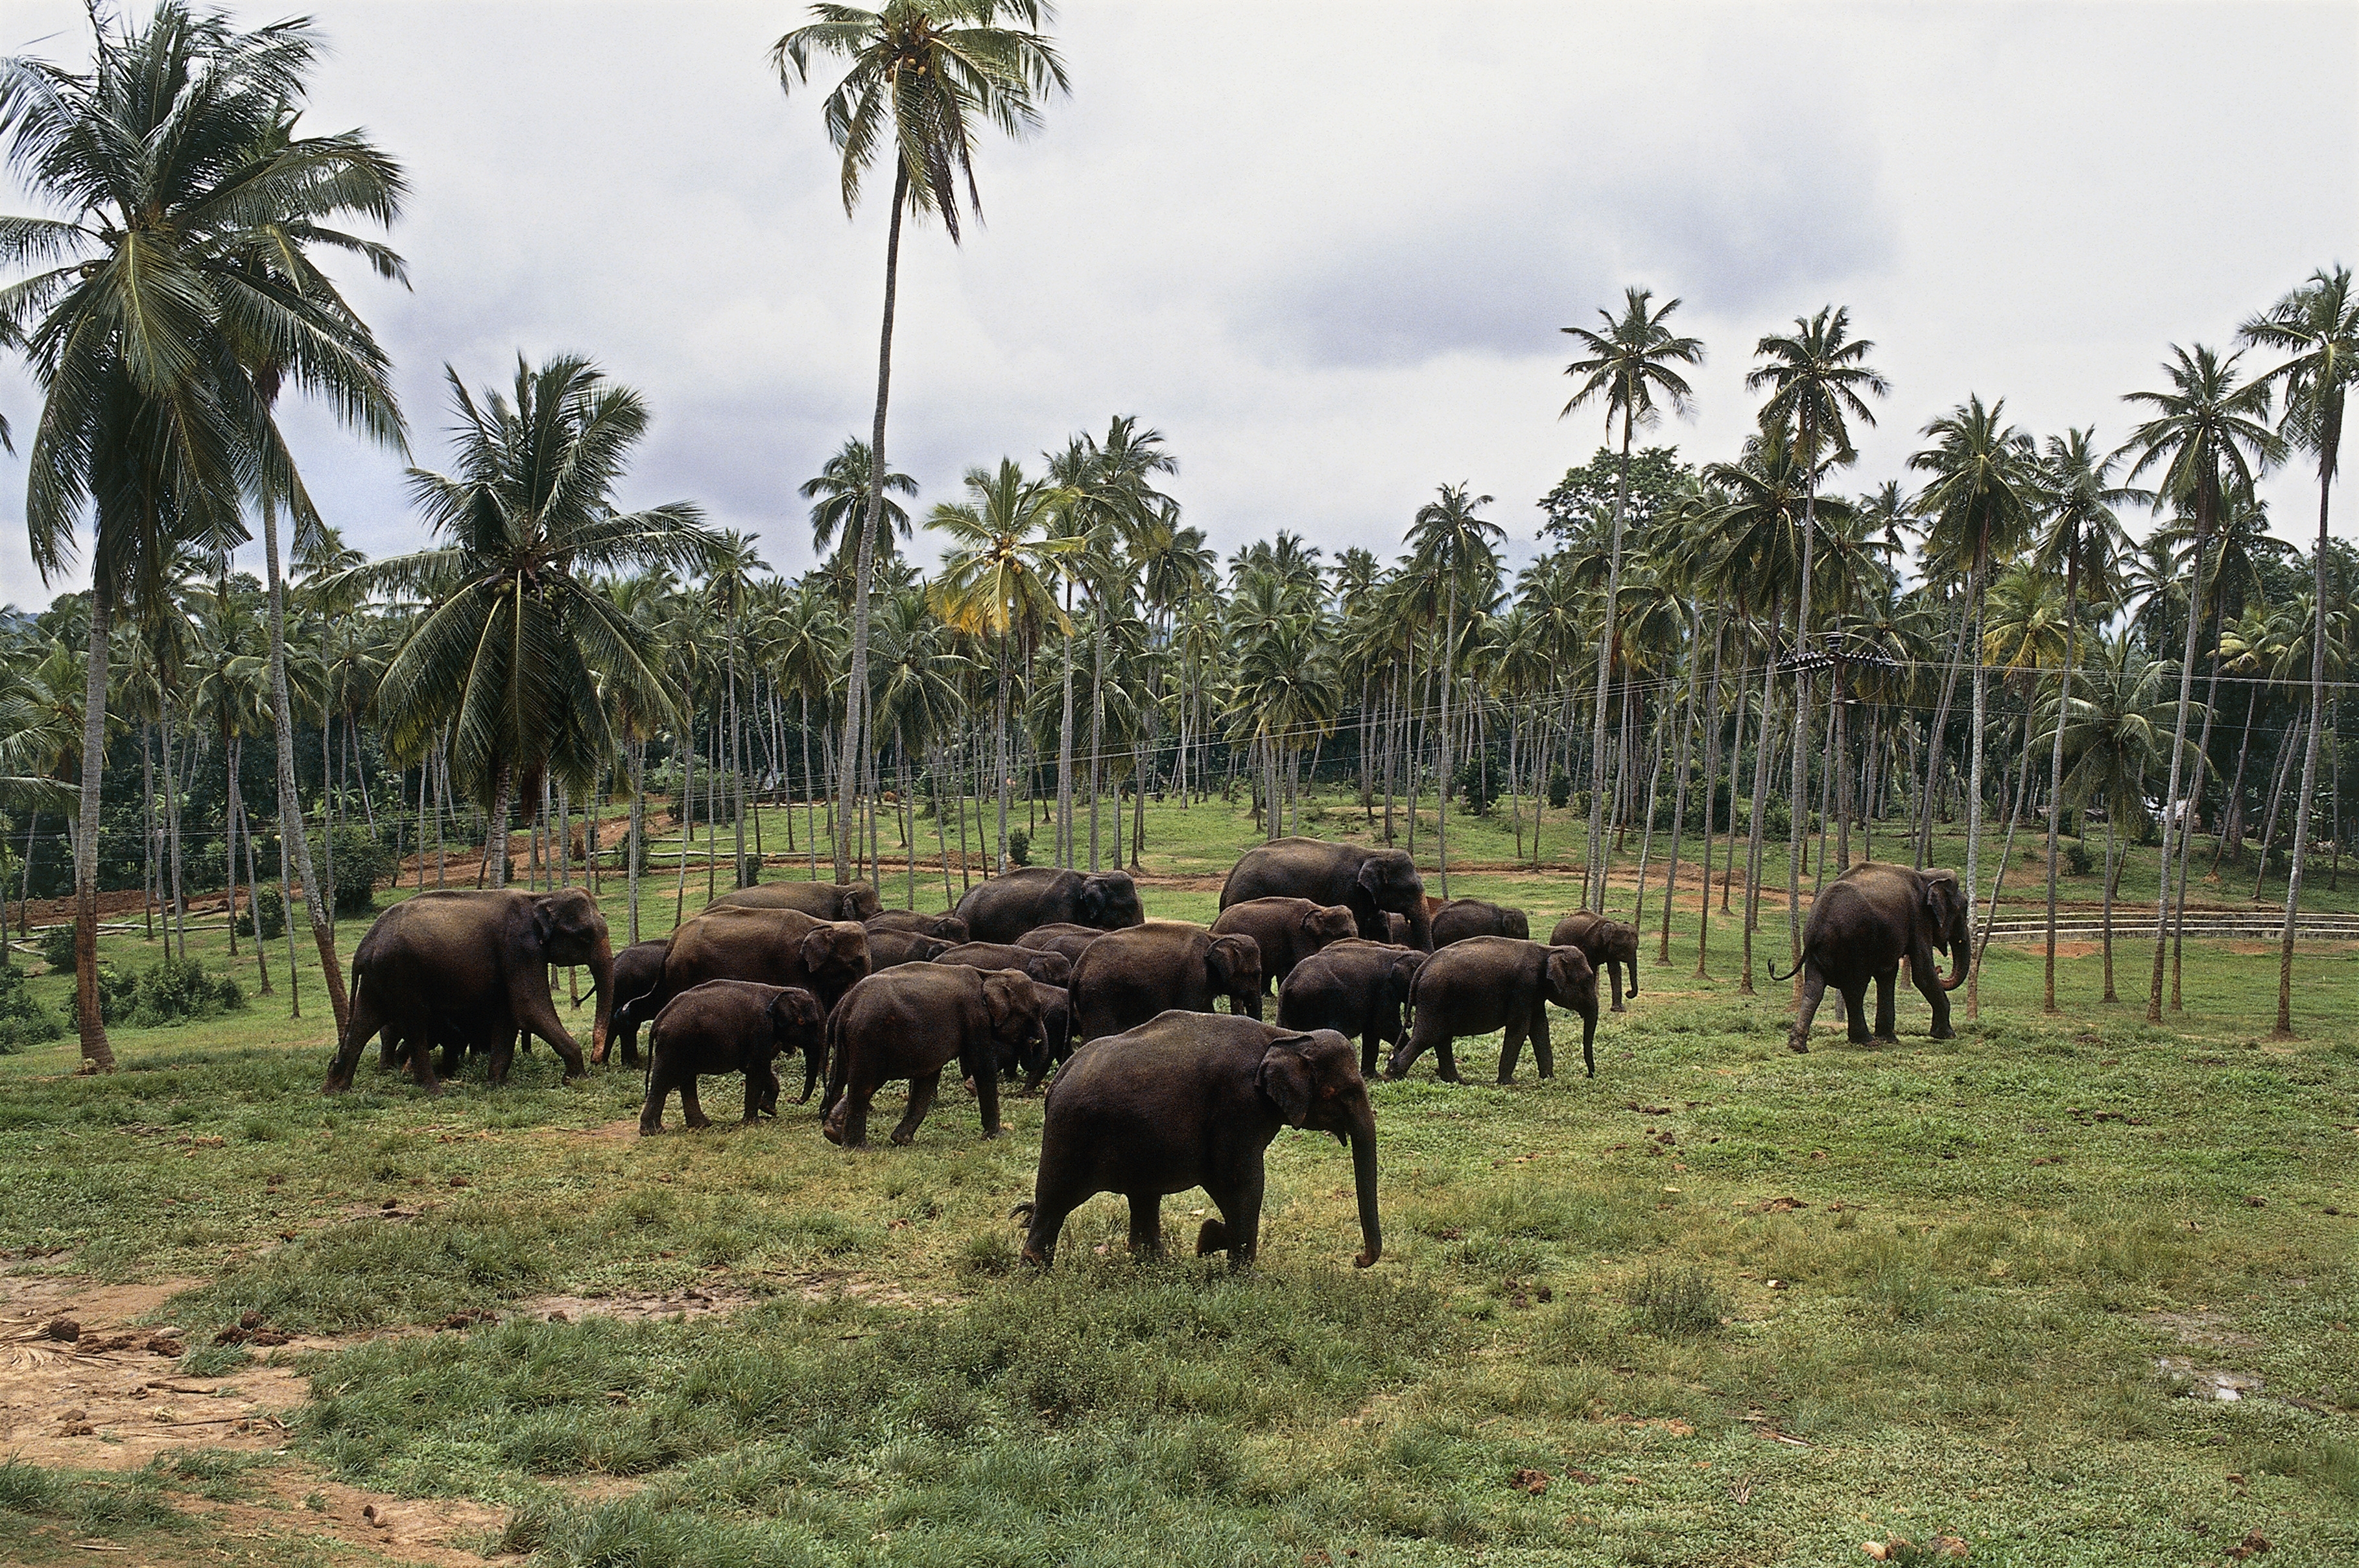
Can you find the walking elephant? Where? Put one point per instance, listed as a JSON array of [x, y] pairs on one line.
[[1868, 920], [1190, 1100], [1461, 917], [823, 900], [728, 1026], [1060, 936], [1007, 906], [776, 947], [1048, 968], [908, 1023], [1369, 881], [1127, 978], [949, 928], [1286, 930], [1611, 947], [638, 973], [1489, 982], [1356, 988], [445, 965]]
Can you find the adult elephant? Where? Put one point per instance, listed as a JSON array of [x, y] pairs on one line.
[[950, 928], [1127, 978], [822, 900], [1048, 968], [1611, 945], [912, 1021], [1286, 930], [728, 1026], [1356, 988], [1062, 936], [1488, 983], [775, 947], [638, 972], [474, 965], [1006, 907], [1371, 882], [1869, 919], [1187, 1100], [1461, 917]]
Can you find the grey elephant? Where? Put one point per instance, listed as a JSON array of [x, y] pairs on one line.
[[638, 974], [444, 966], [888, 949], [1286, 930], [1489, 982], [820, 900], [1356, 988], [1461, 917], [1127, 978], [1612, 947], [1370, 881], [1062, 936], [911, 1022], [1868, 922], [1017, 901], [1192, 1100], [728, 1026], [949, 928]]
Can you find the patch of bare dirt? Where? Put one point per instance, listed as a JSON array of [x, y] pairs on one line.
[[2199, 1328], [441, 1532], [636, 1306], [828, 1284]]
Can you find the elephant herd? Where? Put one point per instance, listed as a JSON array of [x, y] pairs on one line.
[[1044, 971]]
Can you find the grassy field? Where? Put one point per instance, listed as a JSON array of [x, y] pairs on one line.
[[1724, 1304]]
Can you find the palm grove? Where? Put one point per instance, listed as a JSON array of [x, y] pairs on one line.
[[1705, 658]]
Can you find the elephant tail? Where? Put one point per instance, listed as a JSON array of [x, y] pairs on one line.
[[1771, 965]]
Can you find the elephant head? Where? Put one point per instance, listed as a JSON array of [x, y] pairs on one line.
[[1048, 968], [1622, 947], [1946, 923], [1515, 923], [1399, 981], [1233, 962], [857, 902], [798, 1023], [1327, 923], [1108, 901], [1012, 998], [570, 929], [1056, 1030], [1571, 981], [1314, 1080], [1387, 879], [835, 957]]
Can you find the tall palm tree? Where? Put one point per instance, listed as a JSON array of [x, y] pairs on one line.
[[1000, 581], [1979, 501], [520, 638], [2205, 434], [1815, 375], [2316, 326], [2114, 734], [2075, 488], [925, 74], [162, 318], [1461, 550], [1628, 366], [839, 493], [729, 585]]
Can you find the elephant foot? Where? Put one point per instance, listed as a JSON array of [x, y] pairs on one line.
[[1617, 1007], [903, 1139], [995, 1132], [1884, 1039], [648, 1129], [1798, 1046], [1945, 1032], [598, 1058], [1031, 1260], [698, 1123], [1214, 1238], [832, 1132]]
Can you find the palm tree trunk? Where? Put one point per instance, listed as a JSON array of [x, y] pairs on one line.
[[1936, 742], [1798, 790], [2276, 796], [2109, 907], [1097, 720], [2330, 438], [856, 706], [1712, 759], [2232, 806], [1449, 664], [1646, 838], [1000, 766], [632, 851], [2177, 751], [1064, 855], [261, 943], [2055, 760], [2203, 760], [1594, 883], [97, 1055], [1761, 749], [148, 874], [1974, 792], [228, 823], [687, 818], [292, 842]]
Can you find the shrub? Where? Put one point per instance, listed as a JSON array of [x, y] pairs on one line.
[[1019, 847], [118, 993], [2077, 858], [174, 991], [57, 945], [361, 863], [273, 910], [1560, 788], [23, 1020]]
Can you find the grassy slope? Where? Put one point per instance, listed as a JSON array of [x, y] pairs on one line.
[[1578, 1280]]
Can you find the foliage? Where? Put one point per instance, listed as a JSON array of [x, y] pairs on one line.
[[57, 945], [1019, 847], [361, 861], [177, 990], [1582, 504], [24, 1020], [271, 907]]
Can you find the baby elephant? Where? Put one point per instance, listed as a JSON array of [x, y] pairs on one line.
[[1286, 932], [1125, 977], [1353, 987], [727, 1026], [1461, 917], [1610, 945], [911, 1021], [1489, 982], [1048, 968], [1191, 1100]]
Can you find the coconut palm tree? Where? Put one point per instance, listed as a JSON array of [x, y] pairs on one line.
[[520, 638], [1461, 550], [924, 74], [2206, 433], [162, 318], [838, 494], [1815, 377], [2115, 733], [1980, 500], [2075, 488], [2316, 326], [728, 584], [1628, 367]]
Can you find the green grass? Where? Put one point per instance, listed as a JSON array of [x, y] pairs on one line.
[[1969, 1240]]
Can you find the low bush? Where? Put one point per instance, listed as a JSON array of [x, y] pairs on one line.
[[177, 990], [1019, 847], [1676, 1303], [57, 945], [271, 907], [361, 861], [23, 1020]]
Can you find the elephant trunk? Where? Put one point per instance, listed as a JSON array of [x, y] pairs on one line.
[[1364, 1177], [1421, 926], [601, 979], [1961, 954], [1634, 974]]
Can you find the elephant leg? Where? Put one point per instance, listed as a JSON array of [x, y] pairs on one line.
[[1238, 1230], [421, 1064], [659, 1087], [1928, 976], [1543, 1051], [771, 1088], [1615, 975], [368, 1020], [1589, 1040], [1369, 1039], [757, 1076], [1814, 987], [1885, 1027], [922, 1090], [1052, 1200], [1854, 1001], [691, 1110], [388, 1049], [847, 1123], [502, 1058], [1511, 1049], [630, 1044], [1147, 1225], [986, 1093], [538, 1015], [453, 1055]]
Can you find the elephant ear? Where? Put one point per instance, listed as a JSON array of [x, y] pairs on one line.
[[1089, 904], [1007, 997], [1285, 1080], [1230, 957], [1941, 890], [1371, 878], [544, 921]]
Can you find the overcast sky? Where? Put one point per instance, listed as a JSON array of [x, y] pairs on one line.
[[1325, 248]]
